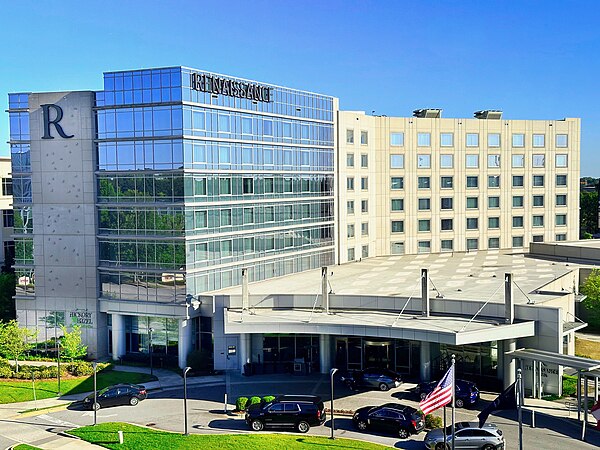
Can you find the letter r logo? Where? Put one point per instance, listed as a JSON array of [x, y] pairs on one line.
[[47, 122]]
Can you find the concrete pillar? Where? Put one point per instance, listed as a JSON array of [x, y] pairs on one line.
[[425, 371], [245, 350], [245, 292], [509, 366], [325, 353], [185, 341], [118, 336], [425, 293], [509, 307], [324, 289]]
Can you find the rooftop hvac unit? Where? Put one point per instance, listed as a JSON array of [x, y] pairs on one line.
[[493, 114], [429, 113]]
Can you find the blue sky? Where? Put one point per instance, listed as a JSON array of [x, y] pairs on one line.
[[532, 59]]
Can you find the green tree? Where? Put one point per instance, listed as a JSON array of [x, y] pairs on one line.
[[588, 212], [70, 343], [7, 292], [591, 288], [15, 340]]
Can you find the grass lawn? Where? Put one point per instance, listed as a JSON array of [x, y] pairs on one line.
[[22, 390], [587, 348], [25, 447], [139, 438]]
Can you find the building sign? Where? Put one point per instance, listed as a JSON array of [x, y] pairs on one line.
[[232, 88], [58, 115], [83, 318]]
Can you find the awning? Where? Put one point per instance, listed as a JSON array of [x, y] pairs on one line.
[[569, 327], [575, 362]]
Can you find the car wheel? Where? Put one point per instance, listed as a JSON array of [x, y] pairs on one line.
[[303, 426], [402, 433], [441, 446], [257, 425], [383, 387], [459, 403], [96, 406], [423, 395], [134, 401], [488, 447], [361, 425]]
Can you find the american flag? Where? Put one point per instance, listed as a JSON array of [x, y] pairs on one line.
[[440, 396]]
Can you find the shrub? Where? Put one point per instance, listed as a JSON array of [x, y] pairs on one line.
[[569, 385], [254, 400], [5, 372], [240, 403], [268, 398], [432, 421], [80, 368]]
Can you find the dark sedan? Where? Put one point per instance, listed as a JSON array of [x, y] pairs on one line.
[[467, 393], [373, 378], [391, 417], [119, 394]]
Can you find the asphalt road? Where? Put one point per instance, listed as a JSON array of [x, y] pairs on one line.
[[164, 409]]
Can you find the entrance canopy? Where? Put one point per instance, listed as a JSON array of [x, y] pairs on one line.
[[574, 362], [442, 329]]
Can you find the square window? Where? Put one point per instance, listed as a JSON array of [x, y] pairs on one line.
[[538, 238], [493, 139], [364, 137], [538, 221], [397, 226], [493, 202], [199, 186], [364, 206], [472, 161], [518, 161], [397, 183], [446, 203], [364, 228], [397, 161], [472, 140], [397, 204], [269, 214], [350, 207], [446, 161], [561, 237], [518, 140], [351, 254], [349, 159], [561, 160], [539, 140], [446, 225], [472, 202], [397, 139], [269, 186], [248, 215], [424, 139], [472, 244], [350, 183], [365, 251], [538, 160], [424, 204], [447, 245], [561, 219], [538, 181], [517, 180], [224, 123], [225, 186], [364, 183], [424, 225], [494, 243], [561, 180], [538, 200], [494, 181], [446, 182], [423, 246], [225, 217], [350, 231], [472, 223], [424, 182], [226, 248], [562, 140], [494, 222], [424, 161], [364, 161], [397, 248], [200, 219], [517, 221], [561, 200], [472, 182], [446, 139], [517, 201], [493, 161], [349, 136], [517, 241]]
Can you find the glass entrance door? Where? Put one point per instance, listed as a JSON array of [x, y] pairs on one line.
[[379, 354]]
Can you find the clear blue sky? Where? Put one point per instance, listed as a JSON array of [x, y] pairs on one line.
[[532, 59]]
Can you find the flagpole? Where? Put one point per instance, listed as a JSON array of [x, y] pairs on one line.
[[445, 434], [453, 398], [519, 404]]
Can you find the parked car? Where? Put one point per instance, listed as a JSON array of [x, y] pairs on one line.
[[391, 417], [466, 392], [119, 394], [382, 379], [466, 435], [298, 411]]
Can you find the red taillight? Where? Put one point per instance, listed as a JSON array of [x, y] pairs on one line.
[[143, 392], [414, 423], [319, 413]]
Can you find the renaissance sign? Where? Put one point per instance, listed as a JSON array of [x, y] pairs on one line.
[[58, 115], [232, 88]]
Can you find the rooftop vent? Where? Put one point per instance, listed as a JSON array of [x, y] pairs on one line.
[[429, 113], [494, 114]]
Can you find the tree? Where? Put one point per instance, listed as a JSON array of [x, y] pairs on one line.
[[71, 343], [7, 292], [15, 340], [588, 212], [591, 288]]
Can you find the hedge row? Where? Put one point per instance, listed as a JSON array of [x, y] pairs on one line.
[[76, 369], [242, 403]]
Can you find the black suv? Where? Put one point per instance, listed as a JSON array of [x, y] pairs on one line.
[[382, 379], [391, 417], [299, 411]]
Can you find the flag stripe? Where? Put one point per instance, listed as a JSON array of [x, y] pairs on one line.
[[440, 396]]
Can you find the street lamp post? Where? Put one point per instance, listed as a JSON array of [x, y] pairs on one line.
[[331, 373], [150, 331], [94, 365], [58, 394], [185, 415]]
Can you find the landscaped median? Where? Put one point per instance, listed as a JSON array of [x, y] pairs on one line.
[[140, 438]]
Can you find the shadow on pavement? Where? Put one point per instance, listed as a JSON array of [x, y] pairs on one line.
[[229, 424]]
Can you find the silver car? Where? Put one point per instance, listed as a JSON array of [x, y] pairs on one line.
[[468, 435]]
